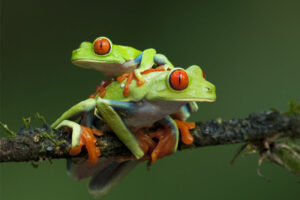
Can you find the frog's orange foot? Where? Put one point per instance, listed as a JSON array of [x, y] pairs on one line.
[[130, 76], [122, 77], [88, 140], [184, 127], [157, 69], [100, 89], [139, 82], [146, 143], [126, 91], [166, 143]]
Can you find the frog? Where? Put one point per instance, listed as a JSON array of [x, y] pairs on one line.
[[162, 101], [115, 60], [164, 93]]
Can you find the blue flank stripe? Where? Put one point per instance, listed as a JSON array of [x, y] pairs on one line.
[[126, 107], [139, 58], [185, 111], [168, 120]]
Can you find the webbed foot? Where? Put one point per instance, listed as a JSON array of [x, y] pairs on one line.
[[100, 89], [184, 127], [160, 143], [166, 143], [146, 144], [156, 150], [157, 69], [88, 140], [130, 76], [83, 136], [135, 75]]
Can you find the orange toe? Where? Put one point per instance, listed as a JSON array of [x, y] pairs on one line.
[[139, 82], [97, 132], [100, 89], [165, 145], [184, 127], [145, 141], [126, 91], [75, 150], [88, 140], [122, 77], [130, 76], [157, 69], [156, 150]]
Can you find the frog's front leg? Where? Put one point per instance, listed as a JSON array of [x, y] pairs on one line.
[[146, 59], [83, 136], [114, 121], [76, 110]]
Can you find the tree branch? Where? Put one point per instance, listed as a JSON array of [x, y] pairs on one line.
[[254, 129]]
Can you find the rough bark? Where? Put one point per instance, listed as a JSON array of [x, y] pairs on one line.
[[256, 127]]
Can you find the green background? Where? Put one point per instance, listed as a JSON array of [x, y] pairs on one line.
[[248, 49]]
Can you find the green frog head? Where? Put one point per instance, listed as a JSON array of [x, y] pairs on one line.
[[102, 55], [175, 85]]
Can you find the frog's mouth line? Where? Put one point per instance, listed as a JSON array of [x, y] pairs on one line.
[[97, 65], [91, 63], [84, 61], [196, 100]]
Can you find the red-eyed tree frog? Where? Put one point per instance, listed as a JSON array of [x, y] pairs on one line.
[[163, 99], [116, 60]]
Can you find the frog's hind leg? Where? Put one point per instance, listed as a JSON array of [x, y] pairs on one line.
[[81, 135], [104, 175], [100, 89], [167, 139], [146, 60], [107, 177], [161, 59]]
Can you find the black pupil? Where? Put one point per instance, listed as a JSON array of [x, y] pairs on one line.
[[179, 78]]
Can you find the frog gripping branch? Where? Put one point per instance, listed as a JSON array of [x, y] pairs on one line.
[[140, 115], [146, 89], [125, 115]]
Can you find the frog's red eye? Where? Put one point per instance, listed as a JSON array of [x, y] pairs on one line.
[[102, 46], [178, 79], [203, 74]]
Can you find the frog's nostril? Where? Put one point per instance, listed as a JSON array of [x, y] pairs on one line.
[[208, 89]]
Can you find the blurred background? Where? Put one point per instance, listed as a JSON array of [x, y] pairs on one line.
[[248, 49]]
